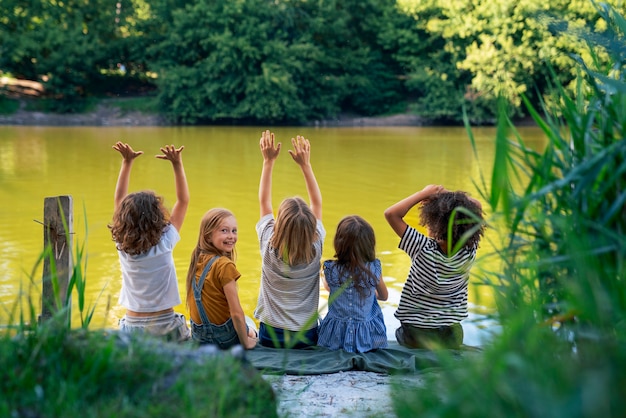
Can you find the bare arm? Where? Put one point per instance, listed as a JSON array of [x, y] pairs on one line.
[[270, 153], [128, 155], [381, 290], [179, 210], [236, 313], [395, 214], [301, 154]]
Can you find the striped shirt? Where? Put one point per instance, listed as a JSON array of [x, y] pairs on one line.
[[435, 292], [289, 295]]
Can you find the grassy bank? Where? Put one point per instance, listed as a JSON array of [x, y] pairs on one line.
[[52, 369], [54, 372]]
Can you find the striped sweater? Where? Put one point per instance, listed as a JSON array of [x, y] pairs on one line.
[[289, 295], [435, 292]]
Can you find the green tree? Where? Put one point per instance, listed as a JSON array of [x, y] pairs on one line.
[[68, 46], [506, 46], [255, 60]]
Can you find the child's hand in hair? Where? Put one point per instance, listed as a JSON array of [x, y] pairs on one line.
[[433, 189], [301, 152], [127, 151], [171, 153], [269, 150]]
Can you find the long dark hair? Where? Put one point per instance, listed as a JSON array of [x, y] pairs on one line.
[[355, 245]]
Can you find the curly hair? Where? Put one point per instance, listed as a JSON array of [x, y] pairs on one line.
[[295, 232], [355, 244], [138, 222], [205, 248], [436, 212]]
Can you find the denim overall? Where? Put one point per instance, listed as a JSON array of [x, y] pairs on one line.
[[224, 336]]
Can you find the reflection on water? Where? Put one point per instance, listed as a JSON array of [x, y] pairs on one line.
[[360, 171]]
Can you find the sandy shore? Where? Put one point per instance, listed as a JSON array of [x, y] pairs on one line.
[[344, 394]]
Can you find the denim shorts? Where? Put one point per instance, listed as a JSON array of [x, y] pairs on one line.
[[224, 336], [172, 326]]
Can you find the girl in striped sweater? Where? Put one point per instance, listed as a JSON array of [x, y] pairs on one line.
[[434, 298], [291, 248]]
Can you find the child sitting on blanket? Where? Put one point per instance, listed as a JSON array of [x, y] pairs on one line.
[[434, 298], [291, 251], [215, 312], [145, 235], [354, 321]]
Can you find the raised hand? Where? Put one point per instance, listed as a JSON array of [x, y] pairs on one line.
[[269, 149], [171, 153], [126, 150], [301, 152]]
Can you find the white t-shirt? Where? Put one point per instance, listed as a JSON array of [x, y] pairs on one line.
[[149, 282]]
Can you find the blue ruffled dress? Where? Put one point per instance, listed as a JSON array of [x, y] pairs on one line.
[[353, 323]]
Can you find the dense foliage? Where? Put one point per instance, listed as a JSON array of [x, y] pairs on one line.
[[561, 291], [292, 61]]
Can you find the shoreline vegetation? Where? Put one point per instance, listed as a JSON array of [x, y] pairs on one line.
[[121, 112], [133, 111]]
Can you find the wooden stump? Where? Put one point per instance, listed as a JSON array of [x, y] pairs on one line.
[[58, 266]]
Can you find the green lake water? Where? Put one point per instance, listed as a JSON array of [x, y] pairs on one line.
[[360, 170]]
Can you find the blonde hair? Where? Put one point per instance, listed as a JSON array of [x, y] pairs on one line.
[[295, 232], [205, 247]]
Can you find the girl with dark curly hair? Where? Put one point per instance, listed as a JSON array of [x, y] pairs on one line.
[[434, 298], [145, 235]]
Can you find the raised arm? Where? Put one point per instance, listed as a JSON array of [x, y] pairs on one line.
[[270, 153], [179, 210], [395, 214], [301, 154], [128, 156]]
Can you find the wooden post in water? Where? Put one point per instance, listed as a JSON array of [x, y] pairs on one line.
[[57, 235]]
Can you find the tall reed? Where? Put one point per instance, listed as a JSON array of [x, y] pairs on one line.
[[561, 293]]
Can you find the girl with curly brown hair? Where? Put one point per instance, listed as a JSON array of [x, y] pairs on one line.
[[145, 234], [434, 298]]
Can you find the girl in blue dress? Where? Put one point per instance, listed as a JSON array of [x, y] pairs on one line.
[[354, 321]]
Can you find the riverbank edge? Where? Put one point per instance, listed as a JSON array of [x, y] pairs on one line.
[[106, 113]]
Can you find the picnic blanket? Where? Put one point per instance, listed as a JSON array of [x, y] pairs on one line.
[[395, 359]]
